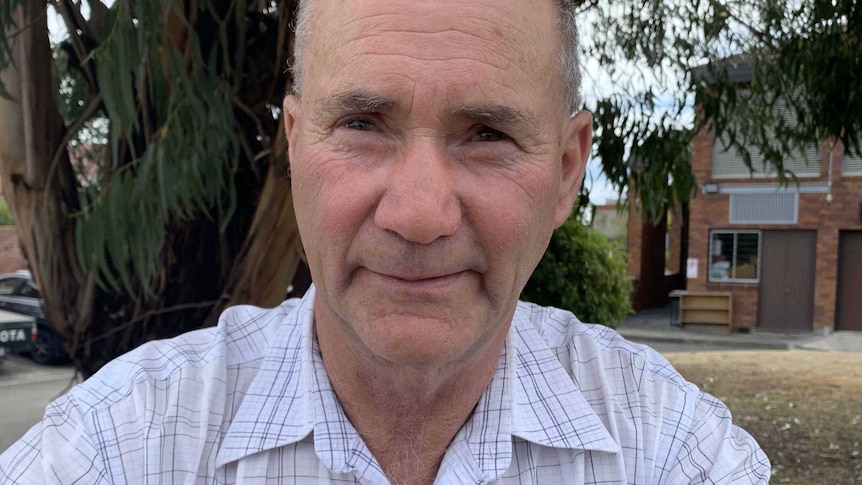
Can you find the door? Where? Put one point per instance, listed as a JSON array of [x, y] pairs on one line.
[[787, 280], [848, 309]]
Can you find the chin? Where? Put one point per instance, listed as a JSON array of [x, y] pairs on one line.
[[417, 341]]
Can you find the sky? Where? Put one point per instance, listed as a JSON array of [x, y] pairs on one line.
[[597, 84]]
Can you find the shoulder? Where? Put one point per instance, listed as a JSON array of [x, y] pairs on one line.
[[240, 339], [129, 418], [660, 418], [590, 349]]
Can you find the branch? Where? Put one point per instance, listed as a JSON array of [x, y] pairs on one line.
[[71, 20], [152, 313], [251, 114], [12, 35], [80, 21], [89, 111], [98, 12], [284, 13], [758, 34], [239, 55]]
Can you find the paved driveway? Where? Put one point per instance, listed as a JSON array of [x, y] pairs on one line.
[[670, 347], [25, 389]]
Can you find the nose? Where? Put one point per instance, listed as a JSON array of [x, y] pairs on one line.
[[420, 202]]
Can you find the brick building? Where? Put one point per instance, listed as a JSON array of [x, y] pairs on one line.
[[11, 258], [790, 256]]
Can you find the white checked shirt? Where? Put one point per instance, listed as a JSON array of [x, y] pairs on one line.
[[249, 402]]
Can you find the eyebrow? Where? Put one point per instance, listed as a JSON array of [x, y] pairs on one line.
[[358, 101]]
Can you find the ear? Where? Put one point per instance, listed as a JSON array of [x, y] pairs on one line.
[[291, 132], [577, 142]]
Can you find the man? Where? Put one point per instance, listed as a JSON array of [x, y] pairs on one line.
[[433, 152]]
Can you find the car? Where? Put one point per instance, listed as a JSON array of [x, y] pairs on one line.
[[20, 294], [16, 332]]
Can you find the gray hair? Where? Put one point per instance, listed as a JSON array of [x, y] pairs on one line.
[[570, 68]]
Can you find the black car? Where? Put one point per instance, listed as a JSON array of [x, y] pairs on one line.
[[19, 294]]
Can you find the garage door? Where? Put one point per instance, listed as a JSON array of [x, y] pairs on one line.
[[848, 312]]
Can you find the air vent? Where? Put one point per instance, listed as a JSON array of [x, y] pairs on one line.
[[764, 208]]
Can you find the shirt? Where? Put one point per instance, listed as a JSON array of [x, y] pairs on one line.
[[249, 402]]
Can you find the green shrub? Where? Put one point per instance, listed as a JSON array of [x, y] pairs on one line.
[[5, 214], [584, 273]]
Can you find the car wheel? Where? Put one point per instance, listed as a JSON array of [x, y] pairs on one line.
[[42, 352]]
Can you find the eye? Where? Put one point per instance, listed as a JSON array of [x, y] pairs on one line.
[[489, 134], [359, 124]]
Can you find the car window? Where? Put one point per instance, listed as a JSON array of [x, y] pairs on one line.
[[28, 290], [8, 285]]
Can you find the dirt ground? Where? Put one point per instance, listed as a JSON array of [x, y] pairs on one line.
[[804, 408]]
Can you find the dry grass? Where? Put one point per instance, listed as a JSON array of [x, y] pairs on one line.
[[804, 408]]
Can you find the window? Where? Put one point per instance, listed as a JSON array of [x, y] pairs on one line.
[[734, 256], [727, 162], [28, 290], [8, 285]]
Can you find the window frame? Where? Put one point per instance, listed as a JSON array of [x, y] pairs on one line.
[[735, 233], [15, 280], [19, 292]]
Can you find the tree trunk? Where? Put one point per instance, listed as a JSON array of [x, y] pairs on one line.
[[37, 178], [272, 251]]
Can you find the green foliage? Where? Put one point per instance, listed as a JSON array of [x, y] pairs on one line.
[[171, 109], [807, 63], [584, 273], [179, 153], [5, 214], [657, 57]]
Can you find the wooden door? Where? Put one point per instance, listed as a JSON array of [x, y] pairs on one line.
[[787, 280], [848, 305]]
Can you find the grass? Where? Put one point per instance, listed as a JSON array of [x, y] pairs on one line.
[[804, 408]]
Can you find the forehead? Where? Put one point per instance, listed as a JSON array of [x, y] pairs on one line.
[[452, 43], [499, 18]]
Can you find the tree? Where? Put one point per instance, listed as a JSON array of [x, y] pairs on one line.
[[661, 57], [186, 208]]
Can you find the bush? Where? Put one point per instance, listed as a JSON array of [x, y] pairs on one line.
[[5, 214], [584, 273]]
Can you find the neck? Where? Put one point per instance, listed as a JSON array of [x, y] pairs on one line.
[[407, 416]]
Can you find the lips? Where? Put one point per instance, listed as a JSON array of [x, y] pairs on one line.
[[413, 278], [419, 281]]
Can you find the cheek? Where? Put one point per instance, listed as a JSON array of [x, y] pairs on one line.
[[332, 200], [513, 218]]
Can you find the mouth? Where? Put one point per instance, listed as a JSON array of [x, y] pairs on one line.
[[421, 281]]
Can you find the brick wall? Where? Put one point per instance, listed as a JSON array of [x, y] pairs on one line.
[[711, 211], [11, 258]]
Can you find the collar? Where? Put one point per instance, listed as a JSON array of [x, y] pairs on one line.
[[530, 396], [549, 409], [277, 408]]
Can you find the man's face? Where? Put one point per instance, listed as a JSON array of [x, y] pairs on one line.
[[432, 156]]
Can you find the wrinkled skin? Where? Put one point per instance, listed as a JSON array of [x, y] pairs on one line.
[[432, 155]]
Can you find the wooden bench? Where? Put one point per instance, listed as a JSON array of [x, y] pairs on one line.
[[706, 309]]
